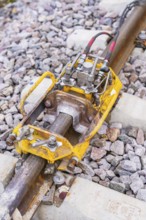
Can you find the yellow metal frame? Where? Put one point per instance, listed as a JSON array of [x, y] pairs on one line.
[[25, 146], [41, 78], [107, 100], [67, 150], [77, 90]]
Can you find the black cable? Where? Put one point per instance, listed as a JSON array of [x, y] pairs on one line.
[[113, 40], [126, 11], [90, 43]]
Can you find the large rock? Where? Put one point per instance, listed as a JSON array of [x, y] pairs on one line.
[[90, 201], [143, 161], [137, 161], [128, 165], [126, 180], [97, 153], [140, 136], [100, 173], [143, 78], [141, 194], [136, 185], [120, 187], [86, 168], [130, 111], [132, 132], [118, 147], [139, 151], [112, 134]]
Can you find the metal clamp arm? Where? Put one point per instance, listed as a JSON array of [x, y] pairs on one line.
[[46, 74]]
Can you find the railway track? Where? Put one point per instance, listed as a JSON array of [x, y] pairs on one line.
[[31, 173]]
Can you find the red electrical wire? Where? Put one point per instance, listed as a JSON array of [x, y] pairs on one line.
[[90, 43]]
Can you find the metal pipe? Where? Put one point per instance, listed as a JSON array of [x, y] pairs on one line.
[[61, 124], [21, 182], [134, 24]]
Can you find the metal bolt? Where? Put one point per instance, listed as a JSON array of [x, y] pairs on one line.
[[63, 190], [52, 142], [72, 163], [49, 169], [58, 99], [82, 107], [24, 131], [58, 179], [48, 103], [10, 140]]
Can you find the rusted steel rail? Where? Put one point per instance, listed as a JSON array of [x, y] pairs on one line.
[[127, 38], [23, 180], [20, 184]]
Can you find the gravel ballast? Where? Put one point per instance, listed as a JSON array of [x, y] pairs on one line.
[[33, 40]]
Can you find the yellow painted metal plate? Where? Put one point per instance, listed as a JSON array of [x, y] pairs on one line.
[[25, 145]]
